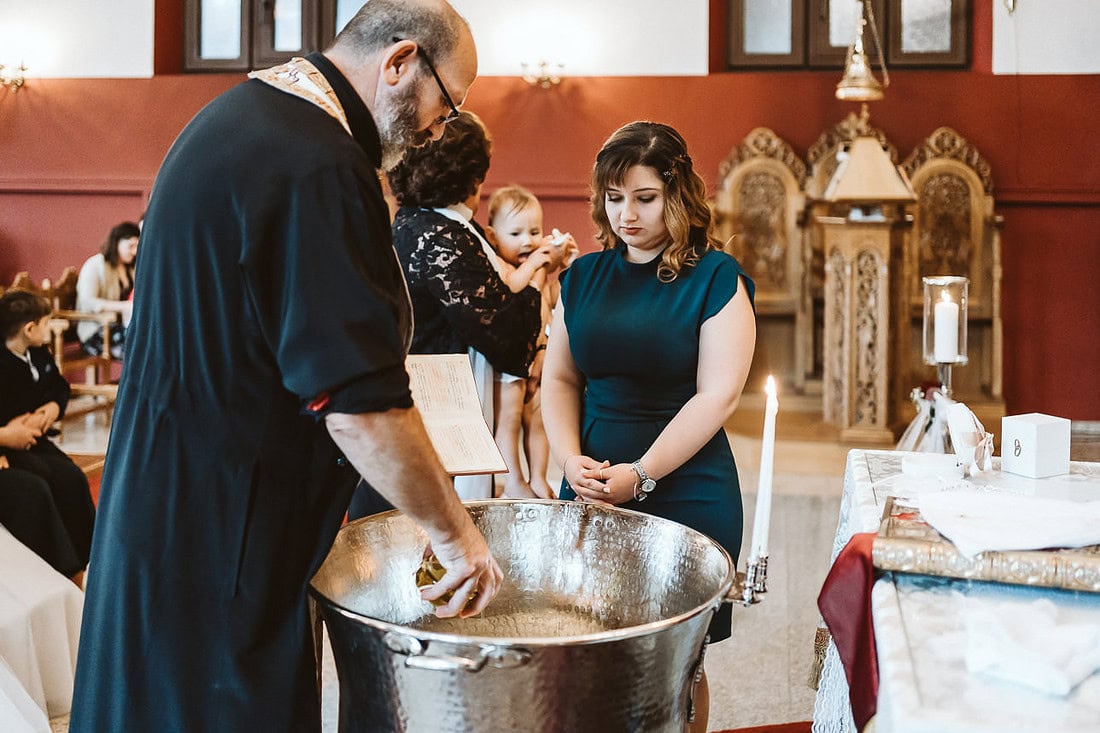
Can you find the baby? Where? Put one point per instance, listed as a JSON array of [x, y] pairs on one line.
[[529, 257]]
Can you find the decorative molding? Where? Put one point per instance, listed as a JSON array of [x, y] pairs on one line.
[[762, 142], [946, 143], [846, 130], [104, 186]]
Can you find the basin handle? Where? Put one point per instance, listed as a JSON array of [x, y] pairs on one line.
[[446, 662], [419, 655]]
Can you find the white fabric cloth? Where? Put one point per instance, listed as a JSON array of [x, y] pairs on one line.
[[40, 613], [18, 712], [978, 522], [927, 432], [972, 444], [1029, 645]]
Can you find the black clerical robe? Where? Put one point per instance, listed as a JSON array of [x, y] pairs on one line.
[[268, 292]]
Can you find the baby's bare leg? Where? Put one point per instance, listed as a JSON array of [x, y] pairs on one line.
[[508, 409], [537, 447]]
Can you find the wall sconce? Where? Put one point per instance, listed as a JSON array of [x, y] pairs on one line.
[[544, 78], [13, 78], [858, 83]]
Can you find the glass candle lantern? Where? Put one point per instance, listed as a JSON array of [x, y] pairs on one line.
[[945, 316]]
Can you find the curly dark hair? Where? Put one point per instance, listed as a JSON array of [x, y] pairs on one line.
[[445, 171], [687, 215]]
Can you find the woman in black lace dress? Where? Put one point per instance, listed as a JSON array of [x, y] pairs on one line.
[[460, 303]]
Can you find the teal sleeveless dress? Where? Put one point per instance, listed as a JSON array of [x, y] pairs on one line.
[[636, 341]]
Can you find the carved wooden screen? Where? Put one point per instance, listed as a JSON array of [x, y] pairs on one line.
[[758, 206], [955, 232], [758, 203]]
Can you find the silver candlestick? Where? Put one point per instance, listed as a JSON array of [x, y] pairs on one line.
[[752, 583]]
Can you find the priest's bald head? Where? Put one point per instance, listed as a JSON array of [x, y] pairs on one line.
[[412, 62]]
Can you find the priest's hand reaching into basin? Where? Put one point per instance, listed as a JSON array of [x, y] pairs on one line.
[[392, 452], [473, 576]]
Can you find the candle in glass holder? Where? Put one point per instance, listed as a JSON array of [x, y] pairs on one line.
[[762, 518], [945, 322]]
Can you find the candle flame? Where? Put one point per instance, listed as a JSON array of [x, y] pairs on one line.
[[769, 386], [944, 296]]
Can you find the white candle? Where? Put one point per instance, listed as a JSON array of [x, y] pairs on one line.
[[764, 485], [946, 331]]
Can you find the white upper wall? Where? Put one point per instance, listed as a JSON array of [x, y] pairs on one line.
[[591, 37], [78, 38], [114, 38], [1047, 37]]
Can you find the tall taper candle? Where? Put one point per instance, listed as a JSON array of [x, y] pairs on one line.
[[764, 485]]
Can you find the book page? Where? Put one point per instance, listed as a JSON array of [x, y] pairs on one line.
[[443, 390]]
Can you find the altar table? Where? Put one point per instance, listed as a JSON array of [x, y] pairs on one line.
[[40, 613], [923, 683]]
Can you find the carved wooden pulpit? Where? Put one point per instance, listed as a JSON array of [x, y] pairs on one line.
[[864, 235]]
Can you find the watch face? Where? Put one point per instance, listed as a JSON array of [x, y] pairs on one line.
[[649, 485]]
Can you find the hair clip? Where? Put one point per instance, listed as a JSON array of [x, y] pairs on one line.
[[669, 174]]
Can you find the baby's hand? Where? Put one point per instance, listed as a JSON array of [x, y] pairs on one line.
[[541, 257], [565, 249]]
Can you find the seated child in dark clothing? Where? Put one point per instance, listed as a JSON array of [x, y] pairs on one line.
[[45, 501]]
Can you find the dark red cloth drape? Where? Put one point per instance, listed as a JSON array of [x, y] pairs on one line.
[[845, 605]]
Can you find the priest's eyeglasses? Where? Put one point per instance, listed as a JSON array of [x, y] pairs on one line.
[[439, 82]]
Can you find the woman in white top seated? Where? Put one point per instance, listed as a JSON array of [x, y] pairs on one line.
[[105, 284]]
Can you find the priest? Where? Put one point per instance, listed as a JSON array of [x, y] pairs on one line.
[[264, 373]]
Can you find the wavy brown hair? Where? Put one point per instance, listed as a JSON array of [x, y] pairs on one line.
[[445, 171], [687, 216]]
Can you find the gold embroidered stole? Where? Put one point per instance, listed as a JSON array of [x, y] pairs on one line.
[[302, 79]]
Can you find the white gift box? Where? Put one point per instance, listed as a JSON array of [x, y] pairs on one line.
[[1035, 445]]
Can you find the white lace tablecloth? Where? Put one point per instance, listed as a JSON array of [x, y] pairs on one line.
[[870, 477], [40, 612]]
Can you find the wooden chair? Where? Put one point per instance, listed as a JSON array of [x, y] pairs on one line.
[[757, 205], [68, 352], [956, 232]]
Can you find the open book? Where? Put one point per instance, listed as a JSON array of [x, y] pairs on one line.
[[443, 389]]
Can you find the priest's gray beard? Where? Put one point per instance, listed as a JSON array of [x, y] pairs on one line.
[[397, 127]]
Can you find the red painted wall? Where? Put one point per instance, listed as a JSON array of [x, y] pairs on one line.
[[76, 156]]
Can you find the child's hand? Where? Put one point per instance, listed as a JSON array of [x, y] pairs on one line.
[[565, 249], [45, 416], [542, 256], [19, 433]]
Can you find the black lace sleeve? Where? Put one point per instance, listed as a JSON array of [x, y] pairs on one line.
[[459, 300]]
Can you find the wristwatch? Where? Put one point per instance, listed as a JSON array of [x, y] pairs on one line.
[[645, 484]]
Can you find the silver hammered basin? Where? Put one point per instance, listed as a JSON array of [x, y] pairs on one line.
[[599, 625]]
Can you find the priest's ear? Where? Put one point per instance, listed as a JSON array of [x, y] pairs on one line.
[[398, 61]]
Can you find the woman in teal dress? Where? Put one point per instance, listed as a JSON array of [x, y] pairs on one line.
[[649, 350]]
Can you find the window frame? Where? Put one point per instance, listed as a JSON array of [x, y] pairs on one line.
[[823, 55], [810, 48], [737, 57], [257, 41], [957, 57]]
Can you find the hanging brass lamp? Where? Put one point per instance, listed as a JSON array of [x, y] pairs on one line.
[[859, 83]]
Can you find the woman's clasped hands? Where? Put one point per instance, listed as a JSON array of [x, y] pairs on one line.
[[599, 482]]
